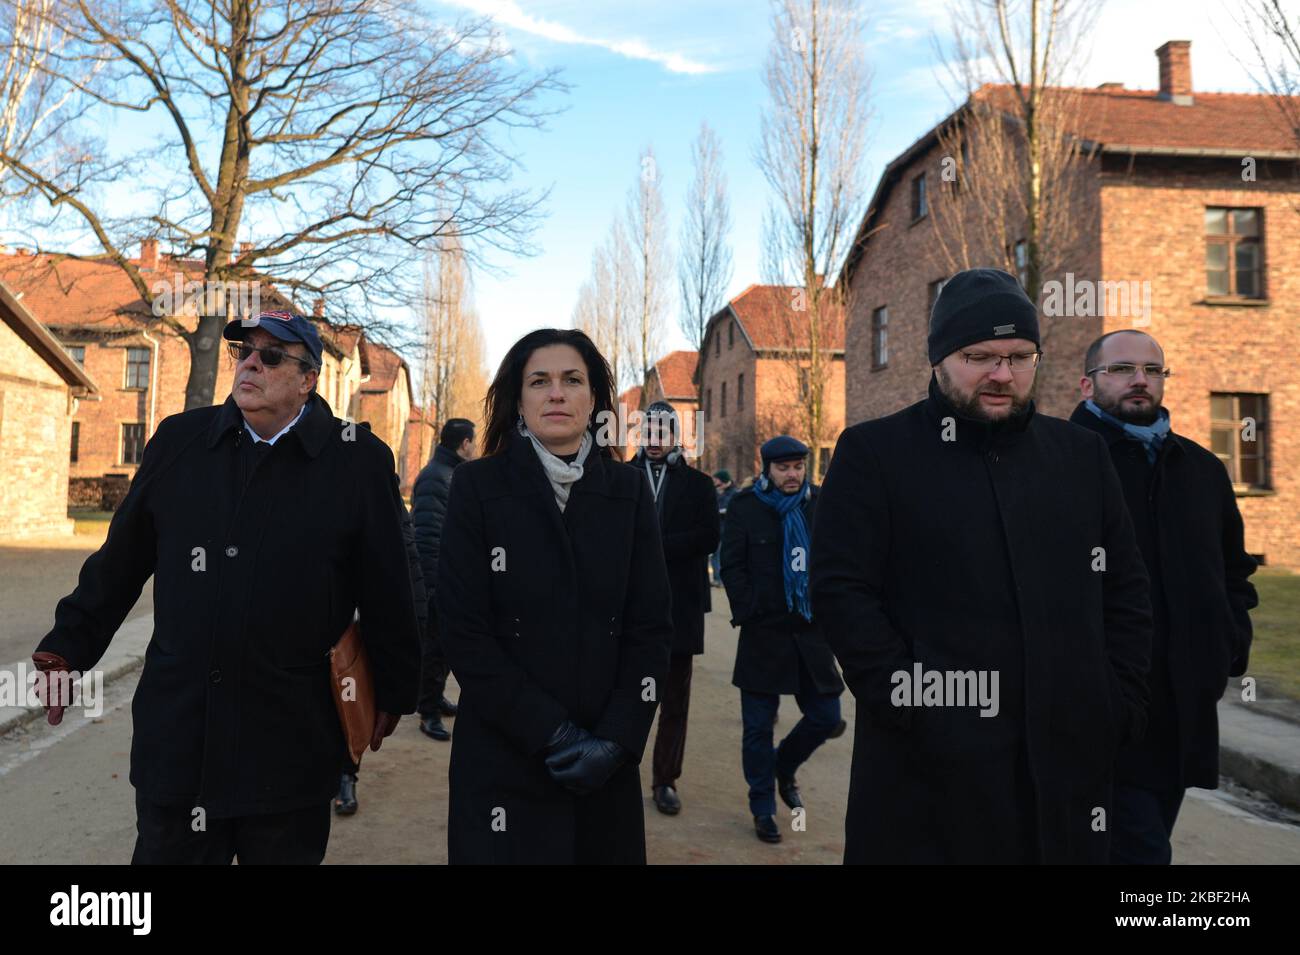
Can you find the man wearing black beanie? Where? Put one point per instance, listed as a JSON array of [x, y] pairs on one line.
[[975, 570]]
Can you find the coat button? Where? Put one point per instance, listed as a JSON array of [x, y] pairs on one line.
[[214, 676], [232, 551]]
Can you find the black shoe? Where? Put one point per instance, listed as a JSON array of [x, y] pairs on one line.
[[345, 803], [446, 707], [839, 730], [666, 800], [432, 726], [765, 828], [789, 790]]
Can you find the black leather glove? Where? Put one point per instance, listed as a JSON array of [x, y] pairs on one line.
[[565, 735], [584, 766]]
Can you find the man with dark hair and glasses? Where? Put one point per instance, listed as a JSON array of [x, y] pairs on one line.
[[267, 523], [1192, 540], [975, 571]]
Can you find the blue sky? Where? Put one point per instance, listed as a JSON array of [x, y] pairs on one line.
[[647, 72]]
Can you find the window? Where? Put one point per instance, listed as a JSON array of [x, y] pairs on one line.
[[717, 345], [803, 384], [1022, 263], [824, 463], [932, 296], [137, 368], [1233, 253], [132, 443], [1239, 437], [920, 202], [963, 164], [78, 353], [731, 335], [880, 337], [708, 404], [740, 393], [76, 442], [724, 399]]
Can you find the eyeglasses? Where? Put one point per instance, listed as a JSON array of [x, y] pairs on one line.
[[270, 357], [984, 360], [1126, 369]]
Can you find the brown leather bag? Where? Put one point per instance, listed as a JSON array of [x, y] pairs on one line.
[[354, 690]]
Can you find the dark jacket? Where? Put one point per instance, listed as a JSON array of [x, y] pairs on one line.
[[547, 617], [429, 507], [1192, 541], [252, 588], [977, 554], [689, 524], [773, 639]]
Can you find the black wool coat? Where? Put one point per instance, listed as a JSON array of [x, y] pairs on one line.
[[429, 508], [252, 587], [774, 640], [1192, 540], [978, 554], [691, 529], [546, 617]]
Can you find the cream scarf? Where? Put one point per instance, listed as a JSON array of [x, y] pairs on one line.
[[561, 473]]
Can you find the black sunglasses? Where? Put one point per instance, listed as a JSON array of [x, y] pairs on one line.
[[270, 357]]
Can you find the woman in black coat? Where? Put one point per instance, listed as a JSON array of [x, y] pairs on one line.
[[556, 619]]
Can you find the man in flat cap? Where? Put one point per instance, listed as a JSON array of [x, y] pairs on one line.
[[781, 648], [975, 570], [266, 523]]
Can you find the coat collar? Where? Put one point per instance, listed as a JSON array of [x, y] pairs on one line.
[[312, 430], [523, 459], [972, 432], [1113, 435], [447, 456]]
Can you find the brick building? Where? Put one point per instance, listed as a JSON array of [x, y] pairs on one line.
[[386, 401], [141, 365], [40, 387], [1188, 198], [672, 379], [751, 375], [629, 401]]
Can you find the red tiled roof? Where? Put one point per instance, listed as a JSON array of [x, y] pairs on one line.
[[631, 398], [97, 294], [676, 372], [767, 316], [1240, 123], [384, 365]]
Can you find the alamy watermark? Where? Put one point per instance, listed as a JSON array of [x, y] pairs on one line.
[[923, 687], [1088, 298], [67, 688]]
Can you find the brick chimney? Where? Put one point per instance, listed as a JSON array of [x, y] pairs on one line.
[[149, 254], [1176, 72]]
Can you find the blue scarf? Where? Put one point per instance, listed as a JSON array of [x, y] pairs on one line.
[[795, 530], [1152, 436]]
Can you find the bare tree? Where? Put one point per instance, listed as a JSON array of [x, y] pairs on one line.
[[1013, 157], [704, 271], [1273, 33], [648, 234], [813, 135], [346, 136], [453, 377]]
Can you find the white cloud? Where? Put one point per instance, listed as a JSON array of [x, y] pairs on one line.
[[508, 13]]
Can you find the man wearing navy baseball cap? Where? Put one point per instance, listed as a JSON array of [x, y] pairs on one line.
[[975, 570], [267, 523]]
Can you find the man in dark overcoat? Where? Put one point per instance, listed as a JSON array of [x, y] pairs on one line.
[[781, 649], [428, 509], [976, 573], [517, 603], [1192, 540], [688, 520], [267, 523]]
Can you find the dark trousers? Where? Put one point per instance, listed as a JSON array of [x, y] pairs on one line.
[[763, 763], [166, 836], [670, 741], [433, 668], [1142, 823]]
